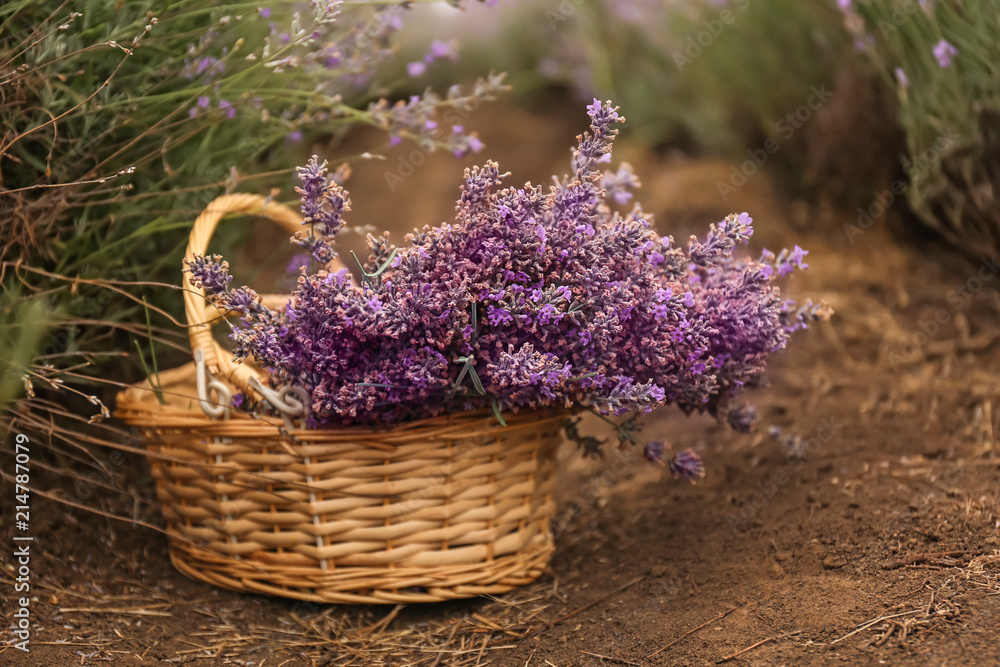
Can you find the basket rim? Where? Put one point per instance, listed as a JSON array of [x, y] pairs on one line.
[[138, 406]]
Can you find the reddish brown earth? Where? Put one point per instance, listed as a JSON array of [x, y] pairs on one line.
[[892, 511]]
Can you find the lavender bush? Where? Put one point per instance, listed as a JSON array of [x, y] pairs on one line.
[[528, 299], [940, 59]]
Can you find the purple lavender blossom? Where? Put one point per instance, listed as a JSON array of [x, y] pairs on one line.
[[627, 396], [441, 49], [536, 373], [655, 452], [722, 238], [901, 77], [686, 465], [619, 184], [743, 419], [323, 205], [210, 273], [786, 261], [945, 53], [530, 298], [419, 117]]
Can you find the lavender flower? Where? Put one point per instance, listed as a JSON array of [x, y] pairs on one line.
[[442, 50], [786, 261], [210, 273], [420, 116], [743, 419], [945, 53], [901, 77], [536, 373], [686, 465], [323, 205], [627, 396], [655, 452], [619, 184], [722, 238], [530, 298]]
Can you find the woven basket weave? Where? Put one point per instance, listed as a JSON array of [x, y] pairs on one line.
[[443, 508]]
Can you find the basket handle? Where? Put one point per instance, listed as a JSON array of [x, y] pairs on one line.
[[201, 314]]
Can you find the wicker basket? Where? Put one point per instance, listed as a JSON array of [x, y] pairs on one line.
[[444, 508]]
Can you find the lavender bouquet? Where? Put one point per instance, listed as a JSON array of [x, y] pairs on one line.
[[529, 299]]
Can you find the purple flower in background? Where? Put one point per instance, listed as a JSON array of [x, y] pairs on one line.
[[743, 419], [228, 107], [264, 12], [203, 101], [795, 446], [902, 78], [686, 465], [294, 136], [419, 116], [619, 184], [945, 53], [440, 49], [655, 452], [297, 261], [416, 68]]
